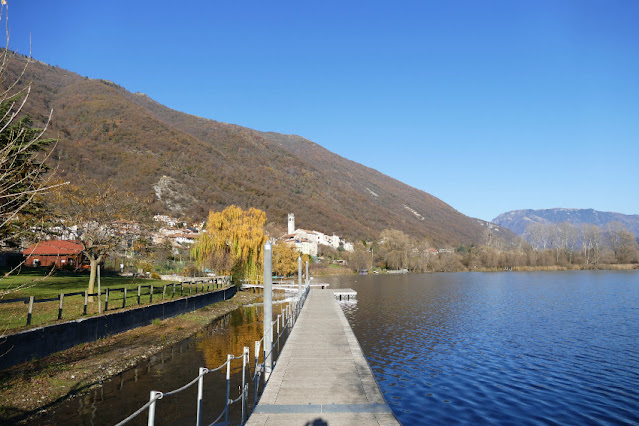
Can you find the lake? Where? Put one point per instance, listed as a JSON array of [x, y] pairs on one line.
[[504, 348]]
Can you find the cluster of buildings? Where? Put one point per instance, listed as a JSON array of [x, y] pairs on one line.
[[67, 250], [308, 242]]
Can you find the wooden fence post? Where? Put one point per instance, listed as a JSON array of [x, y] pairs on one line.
[[61, 297], [30, 311]]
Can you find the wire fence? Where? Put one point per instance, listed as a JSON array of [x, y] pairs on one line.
[[281, 327]]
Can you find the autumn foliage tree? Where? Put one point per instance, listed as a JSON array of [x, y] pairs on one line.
[[234, 241]]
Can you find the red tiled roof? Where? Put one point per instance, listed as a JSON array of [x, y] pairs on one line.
[[54, 247]]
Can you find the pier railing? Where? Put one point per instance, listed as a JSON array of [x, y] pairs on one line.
[[281, 327]]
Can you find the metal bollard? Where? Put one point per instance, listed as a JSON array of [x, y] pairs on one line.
[[86, 302], [124, 298], [151, 293], [106, 301], [139, 293]]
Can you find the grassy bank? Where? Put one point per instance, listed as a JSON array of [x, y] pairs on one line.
[[38, 283], [33, 387]]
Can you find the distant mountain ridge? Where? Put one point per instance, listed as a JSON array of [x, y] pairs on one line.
[[188, 165], [518, 220]]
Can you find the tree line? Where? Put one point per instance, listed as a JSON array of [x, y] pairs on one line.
[[563, 245]]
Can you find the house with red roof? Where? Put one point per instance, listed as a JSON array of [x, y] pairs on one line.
[[60, 253]]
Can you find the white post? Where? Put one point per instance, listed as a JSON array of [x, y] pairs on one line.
[[299, 275], [245, 361], [151, 421], [307, 279], [268, 310], [200, 388]]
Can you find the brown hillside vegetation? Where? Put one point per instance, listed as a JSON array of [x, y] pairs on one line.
[[189, 165]]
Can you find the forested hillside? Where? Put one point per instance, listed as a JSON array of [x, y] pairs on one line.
[[188, 165]]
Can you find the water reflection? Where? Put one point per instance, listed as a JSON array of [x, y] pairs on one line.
[[502, 347], [171, 369]]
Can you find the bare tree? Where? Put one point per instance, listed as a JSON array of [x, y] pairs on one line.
[[622, 242], [95, 209], [592, 241]]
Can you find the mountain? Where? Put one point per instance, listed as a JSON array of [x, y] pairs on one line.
[[188, 165], [518, 220]]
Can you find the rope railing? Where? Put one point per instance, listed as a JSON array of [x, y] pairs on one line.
[[287, 320]]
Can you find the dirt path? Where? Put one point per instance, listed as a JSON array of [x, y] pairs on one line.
[[32, 387]]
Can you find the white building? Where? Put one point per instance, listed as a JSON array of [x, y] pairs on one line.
[[310, 240]]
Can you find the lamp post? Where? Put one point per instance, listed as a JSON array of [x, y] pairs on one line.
[[268, 309]]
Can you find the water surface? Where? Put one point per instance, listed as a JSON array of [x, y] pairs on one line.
[[503, 348]]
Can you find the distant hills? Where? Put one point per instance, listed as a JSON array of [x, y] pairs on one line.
[[187, 165], [518, 220]]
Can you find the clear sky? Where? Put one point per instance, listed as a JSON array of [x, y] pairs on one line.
[[489, 105]]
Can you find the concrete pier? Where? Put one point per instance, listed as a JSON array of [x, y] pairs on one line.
[[322, 377]]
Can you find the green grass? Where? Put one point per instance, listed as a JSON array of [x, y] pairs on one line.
[[35, 282]]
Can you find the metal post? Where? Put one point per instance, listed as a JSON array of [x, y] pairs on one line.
[[151, 421], [299, 276], [268, 309], [200, 387], [173, 294], [163, 291], [278, 335], [229, 358], [139, 293], [106, 302], [245, 360], [307, 278], [257, 378], [60, 307], [124, 298], [30, 311], [151, 293], [86, 301]]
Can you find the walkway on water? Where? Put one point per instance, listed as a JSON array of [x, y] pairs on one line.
[[322, 376]]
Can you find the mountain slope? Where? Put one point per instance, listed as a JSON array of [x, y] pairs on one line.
[[189, 165], [518, 220]]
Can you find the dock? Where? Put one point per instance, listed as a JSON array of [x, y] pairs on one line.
[[322, 377]]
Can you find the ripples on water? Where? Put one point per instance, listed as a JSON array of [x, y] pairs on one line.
[[532, 348]]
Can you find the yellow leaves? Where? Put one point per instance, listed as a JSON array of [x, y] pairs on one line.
[[237, 232]]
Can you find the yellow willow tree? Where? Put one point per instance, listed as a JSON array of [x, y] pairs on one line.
[[233, 242]]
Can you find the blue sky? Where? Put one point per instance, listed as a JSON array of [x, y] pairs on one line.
[[490, 106]]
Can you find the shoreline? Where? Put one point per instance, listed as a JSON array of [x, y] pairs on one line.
[[30, 389]]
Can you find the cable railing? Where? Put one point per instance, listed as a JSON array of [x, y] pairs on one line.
[[281, 326]]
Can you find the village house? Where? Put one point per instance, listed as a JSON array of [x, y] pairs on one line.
[[307, 242], [60, 253]]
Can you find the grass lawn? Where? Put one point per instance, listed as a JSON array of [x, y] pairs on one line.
[[35, 282]]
